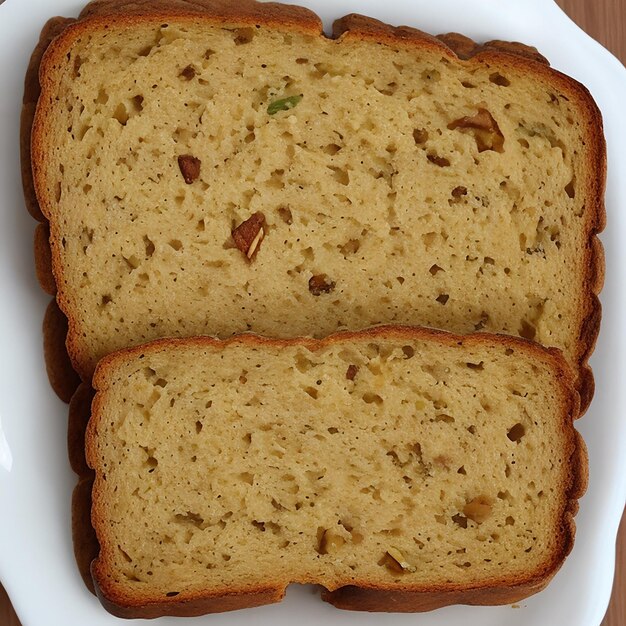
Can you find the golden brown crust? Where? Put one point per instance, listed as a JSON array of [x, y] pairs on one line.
[[201, 605], [364, 597], [43, 259], [79, 412], [361, 598], [63, 379], [217, 11], [32, 89], [359, 27], [465, 48], [84, 538]]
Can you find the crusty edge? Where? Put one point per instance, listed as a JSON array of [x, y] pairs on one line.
[[62, 379], [32, 90], [78, 417], [84, 538], [62, 376], [43, 259], [359, 27], [361, 596]]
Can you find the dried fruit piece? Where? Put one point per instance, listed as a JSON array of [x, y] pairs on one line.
[[484, 128], [438, 160], [459, 192], [189, 167], [249, 234], [397, 561], [320, 284], [284, 104], [188, 73], [351, 372]]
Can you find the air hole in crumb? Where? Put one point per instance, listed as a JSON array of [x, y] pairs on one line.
[[285, 215], [176, 244], [102, 98], [443, 298], [312, 392], [125, 555], [138, 103], [350, 247], [372, 398], [331, 149], [149, 246], [527, 330], [570, 189], [443, 417], [132, 261], [498, 79], [476, 366], [340, 175], [242, 36], [121, 114], [435, 268]]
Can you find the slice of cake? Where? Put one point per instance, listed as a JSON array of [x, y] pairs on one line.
[[226, 167], [401, 469]]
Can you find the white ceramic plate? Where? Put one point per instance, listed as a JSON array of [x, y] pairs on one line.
[[36, 561]]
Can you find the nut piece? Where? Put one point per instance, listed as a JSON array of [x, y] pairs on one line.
[[351, 372], [249, 234], [485, 129], [478, 509], [330, 542], [189, 167], [395, 560], [320, 284]]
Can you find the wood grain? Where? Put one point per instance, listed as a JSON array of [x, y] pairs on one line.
[[604, 20]]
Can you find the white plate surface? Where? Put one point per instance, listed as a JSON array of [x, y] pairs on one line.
[[36, 562]]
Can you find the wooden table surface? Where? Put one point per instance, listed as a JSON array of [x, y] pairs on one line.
[[604, 20]]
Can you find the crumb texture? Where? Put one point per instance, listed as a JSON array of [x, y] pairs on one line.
[[388, 461], [232, 179]]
